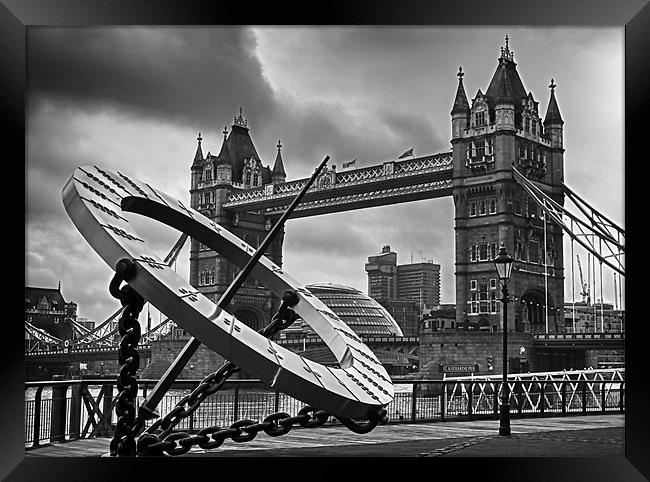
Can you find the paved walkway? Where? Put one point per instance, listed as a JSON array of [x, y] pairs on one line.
[[589, 436]]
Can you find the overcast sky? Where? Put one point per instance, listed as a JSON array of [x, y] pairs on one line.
[[134, 99]]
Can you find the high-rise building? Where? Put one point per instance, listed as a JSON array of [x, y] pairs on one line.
[[419, 282], [382, 274], [405, 290]]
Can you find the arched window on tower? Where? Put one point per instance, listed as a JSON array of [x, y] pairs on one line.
[[255, 179]]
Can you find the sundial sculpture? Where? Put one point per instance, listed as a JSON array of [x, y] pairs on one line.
[[102, 202]]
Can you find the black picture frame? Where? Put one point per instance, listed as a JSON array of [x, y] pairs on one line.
[[18, 15]]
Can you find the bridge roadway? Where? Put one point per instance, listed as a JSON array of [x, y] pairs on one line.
[[541, 340], [599, 435]]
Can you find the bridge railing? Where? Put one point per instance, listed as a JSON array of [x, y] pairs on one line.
[[59, 411]]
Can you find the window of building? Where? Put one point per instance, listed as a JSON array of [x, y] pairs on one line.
[[517, 207], [247, 178], [490, 146], [483, 252], [480, 118], [527, 125], [493, 283], [533, 252], [481, 210], [493, 302], [255, 179], [472, 285], [534, 127], [472, 255], [531, 208], [474, 304], [472, 209], [493, 251], [493, 206]]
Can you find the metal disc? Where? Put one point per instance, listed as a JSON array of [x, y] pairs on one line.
[[101, 202]]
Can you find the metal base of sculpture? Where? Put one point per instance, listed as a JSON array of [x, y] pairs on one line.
[[101, 203]]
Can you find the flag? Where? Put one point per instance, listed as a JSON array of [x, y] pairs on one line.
[[407, 153], [350, 164]]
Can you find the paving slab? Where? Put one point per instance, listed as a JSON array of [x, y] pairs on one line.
[[593, 436]]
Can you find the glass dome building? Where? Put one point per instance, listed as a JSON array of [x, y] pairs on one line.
[[360, 312], [365, 316]]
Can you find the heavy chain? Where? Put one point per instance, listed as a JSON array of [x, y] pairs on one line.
[[159, 438], [123, 442]]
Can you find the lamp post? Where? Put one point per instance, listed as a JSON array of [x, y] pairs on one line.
[[503, 264]]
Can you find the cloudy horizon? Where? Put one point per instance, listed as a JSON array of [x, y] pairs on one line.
[[135, 99]]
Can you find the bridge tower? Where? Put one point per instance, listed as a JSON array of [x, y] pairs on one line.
[[501, 128], [237, 167]]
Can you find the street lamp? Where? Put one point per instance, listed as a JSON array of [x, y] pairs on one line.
[[503, 264]]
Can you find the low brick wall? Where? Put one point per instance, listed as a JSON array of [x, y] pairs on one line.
[[469, 347], [163, 352]]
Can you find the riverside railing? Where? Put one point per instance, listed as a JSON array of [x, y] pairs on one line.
[[63, 410]]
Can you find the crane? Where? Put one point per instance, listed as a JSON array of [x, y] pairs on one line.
[[585, 288]]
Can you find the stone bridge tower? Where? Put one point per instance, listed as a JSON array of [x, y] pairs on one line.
[[501, 128], [237, 167]]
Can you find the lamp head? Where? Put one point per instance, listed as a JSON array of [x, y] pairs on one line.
[[503, 264]]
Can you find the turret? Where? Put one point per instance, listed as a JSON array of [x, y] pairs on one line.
[[460, 111], [504, 106], [197, 164], [278, 174], [553, 121], [222, 164]]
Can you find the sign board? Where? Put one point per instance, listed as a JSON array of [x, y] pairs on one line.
[[404, 388], [459, 368]]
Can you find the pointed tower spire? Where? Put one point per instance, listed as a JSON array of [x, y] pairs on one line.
[[198, 157], [278, 168], [506, 53], [461, 106], [239, 120], [552, 111]]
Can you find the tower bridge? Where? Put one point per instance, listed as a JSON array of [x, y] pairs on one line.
[[504, 171], [391, 182]]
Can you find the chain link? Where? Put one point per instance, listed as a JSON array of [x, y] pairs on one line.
[[159, 438], [123, 442]]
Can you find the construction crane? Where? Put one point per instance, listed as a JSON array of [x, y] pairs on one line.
[[585, 288]]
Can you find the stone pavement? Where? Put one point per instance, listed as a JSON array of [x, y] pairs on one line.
[[573, 436]]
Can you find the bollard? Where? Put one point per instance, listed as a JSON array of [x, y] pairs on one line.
[[57, 417]]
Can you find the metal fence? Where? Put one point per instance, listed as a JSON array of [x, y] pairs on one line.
[[71, 409]]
